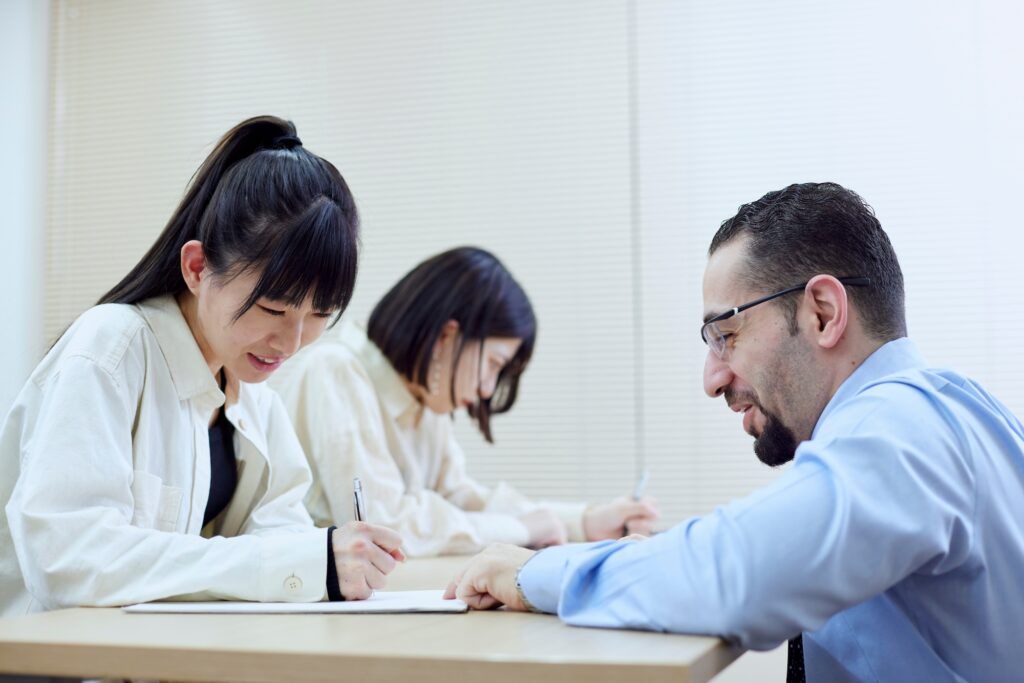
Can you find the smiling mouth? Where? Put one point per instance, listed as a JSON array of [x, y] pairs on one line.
[[741, 407], [265, 363]]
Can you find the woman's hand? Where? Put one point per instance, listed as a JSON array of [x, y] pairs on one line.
[[545, 528], [364, 554], [618, 518]]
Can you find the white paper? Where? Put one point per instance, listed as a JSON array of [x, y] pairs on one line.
[[381, 602]]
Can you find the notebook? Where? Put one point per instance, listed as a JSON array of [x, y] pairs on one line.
[[381, 602]]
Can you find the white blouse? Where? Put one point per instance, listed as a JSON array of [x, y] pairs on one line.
[[355, 418], [105, 474]]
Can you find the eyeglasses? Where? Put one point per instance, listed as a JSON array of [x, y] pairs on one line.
[[715, 338]]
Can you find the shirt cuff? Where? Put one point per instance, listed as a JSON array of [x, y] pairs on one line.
[[495, 528], [333, 589], [540, 579], [571, 515], [292, 567]]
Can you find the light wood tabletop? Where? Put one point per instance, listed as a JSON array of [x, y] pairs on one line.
[[494, 646]]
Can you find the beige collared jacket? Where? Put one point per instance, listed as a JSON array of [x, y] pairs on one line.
[[355, 418], [105, 474]]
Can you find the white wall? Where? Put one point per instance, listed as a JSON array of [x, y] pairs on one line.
[[24, 53]]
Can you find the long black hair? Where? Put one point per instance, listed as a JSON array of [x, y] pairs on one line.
[[472, 287], [259, 203]]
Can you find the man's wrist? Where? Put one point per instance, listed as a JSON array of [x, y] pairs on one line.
[[527, 605], [542, 576]]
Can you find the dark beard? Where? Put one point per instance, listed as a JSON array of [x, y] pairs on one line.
[[777, 444]]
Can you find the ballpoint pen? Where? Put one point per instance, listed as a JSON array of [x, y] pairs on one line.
[[641, 485], [357, 499]]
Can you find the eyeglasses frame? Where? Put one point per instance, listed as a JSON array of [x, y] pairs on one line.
[[850, 281]]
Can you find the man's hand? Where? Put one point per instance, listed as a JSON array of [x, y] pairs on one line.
[[364, 554], [489, 580], [545, 528], [618, 518]]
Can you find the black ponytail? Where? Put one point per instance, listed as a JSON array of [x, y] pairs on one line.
[[260, 203]]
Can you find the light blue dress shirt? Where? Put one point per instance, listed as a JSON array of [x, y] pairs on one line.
[[895, 542]]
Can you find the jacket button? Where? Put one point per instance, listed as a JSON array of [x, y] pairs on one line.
[[293, 584]]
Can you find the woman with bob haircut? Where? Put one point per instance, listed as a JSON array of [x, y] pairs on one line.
[[456, 332], [143, 459]]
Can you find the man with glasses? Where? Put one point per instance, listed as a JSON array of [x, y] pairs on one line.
[[895, 541]]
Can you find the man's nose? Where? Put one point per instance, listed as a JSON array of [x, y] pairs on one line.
[[717, 375]]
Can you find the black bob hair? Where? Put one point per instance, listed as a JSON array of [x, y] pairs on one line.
[[472, 287]]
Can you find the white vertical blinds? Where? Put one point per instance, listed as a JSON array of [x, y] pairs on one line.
[[503, 125], [594, 147], [914, 105]]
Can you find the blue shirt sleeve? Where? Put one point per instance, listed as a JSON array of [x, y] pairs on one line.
[[885, 491], [541, 577]]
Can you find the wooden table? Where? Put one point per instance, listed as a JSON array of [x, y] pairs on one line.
[[381, 648]]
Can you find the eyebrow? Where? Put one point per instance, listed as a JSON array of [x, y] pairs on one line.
[[711, 316]]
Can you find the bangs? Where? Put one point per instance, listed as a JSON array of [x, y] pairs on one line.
[[316, 255]]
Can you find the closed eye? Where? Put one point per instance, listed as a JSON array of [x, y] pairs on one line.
[[726, 338], [270, 311]]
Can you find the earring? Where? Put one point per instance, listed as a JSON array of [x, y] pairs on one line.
[[434, 383]]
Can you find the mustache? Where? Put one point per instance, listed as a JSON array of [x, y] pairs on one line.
[[733, 397]]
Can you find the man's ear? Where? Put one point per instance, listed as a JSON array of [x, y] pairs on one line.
[[193, 264], [827, 309]]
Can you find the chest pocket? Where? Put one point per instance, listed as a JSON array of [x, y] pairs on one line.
[[156, 505]]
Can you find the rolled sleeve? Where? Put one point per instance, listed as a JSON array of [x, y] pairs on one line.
[[571, 515], [492, 528], [541, 578]]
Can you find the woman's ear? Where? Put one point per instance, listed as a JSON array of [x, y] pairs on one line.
[[449, 331], [193, 264]]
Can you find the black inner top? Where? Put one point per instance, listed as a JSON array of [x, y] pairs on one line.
[[223, 470]]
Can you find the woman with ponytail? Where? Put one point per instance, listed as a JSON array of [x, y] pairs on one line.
[[144, 459], [456, 332]]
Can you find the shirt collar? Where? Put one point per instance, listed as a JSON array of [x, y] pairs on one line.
[[889, 359], [189, 371], [395, 398]]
